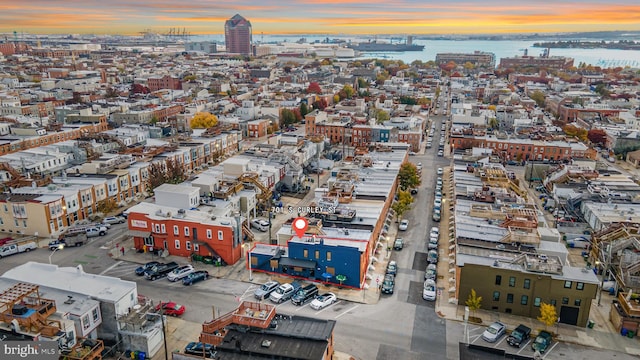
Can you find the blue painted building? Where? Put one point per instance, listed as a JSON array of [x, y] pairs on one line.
[[317, 257]]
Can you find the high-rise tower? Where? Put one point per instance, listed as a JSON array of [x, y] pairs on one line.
[[237, 35]]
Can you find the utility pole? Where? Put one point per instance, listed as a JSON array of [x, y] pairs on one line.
[[607, 262]]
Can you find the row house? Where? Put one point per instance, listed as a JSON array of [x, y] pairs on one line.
[[47, 138], [257, 128], [61, 204], [413, 138], [163, 113], [524, 149]]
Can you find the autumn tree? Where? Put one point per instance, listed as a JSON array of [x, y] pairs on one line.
[[474, 302], [548, 315], [175, 172], [157, 175], [111, 93], [320, 103], [203, 120], [106, 206], [314, 88], [348, 91], [402, 204], [597, 136], [139, 89], [408, 176], [538, 97]]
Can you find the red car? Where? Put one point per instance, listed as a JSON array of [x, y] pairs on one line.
[[171, 308]]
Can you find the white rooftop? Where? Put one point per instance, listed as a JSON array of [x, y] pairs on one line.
[[102, 288]]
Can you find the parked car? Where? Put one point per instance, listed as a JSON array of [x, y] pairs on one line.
[[542, 342], [432, 257], [440, 153], [413, 191], [283, 292], [579, 242], [434, 232], [304, 294], [96, 231], [440, 171], [437, 203], [431, 272], [392, 268], [322, 301], [432, 245], [160, 270], [114, 220], [404, 225], [388, 284], [436, 215], [141, 269], [260, 224], [398, 244], [494, 332], [265, 289], [519, 336], [195, 277], [198, 349], [171, 308], [429, 290], [180, 272]]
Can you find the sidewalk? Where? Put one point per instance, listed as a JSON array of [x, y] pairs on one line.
[[603, 335]]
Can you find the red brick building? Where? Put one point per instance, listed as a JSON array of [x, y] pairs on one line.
[[154, 228], [165, 82], [513, 149]]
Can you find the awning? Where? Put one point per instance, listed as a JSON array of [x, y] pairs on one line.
[[138, 233], [307, 264]]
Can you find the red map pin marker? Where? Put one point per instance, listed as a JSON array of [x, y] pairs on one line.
[[300, 225]]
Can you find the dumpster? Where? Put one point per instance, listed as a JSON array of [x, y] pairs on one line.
[[591, 324]]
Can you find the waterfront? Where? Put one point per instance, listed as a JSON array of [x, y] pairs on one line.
[[501, 48]]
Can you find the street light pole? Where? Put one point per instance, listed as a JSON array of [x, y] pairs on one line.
[[61, 246]]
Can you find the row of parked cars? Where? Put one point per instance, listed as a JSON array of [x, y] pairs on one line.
[[172, 271], [431, 272], [298, 293], [518, 336]]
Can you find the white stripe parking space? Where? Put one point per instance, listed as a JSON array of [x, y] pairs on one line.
[[550, 350], [524, 346], [325, 308], [347, 311]]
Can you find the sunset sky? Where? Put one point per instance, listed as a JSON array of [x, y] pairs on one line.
[[129, 17]]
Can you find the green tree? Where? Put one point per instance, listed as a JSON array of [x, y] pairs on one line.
[[203, 120], [304, 109], [381, 116], [154, 120], [474, 302], [493, 123], [548, 315], [538, 97], [408, 176], [287, 117], [362, 83]]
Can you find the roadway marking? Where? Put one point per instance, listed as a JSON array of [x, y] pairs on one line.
[[346, 311], [475, 338], [554, 345], [111, 267], [499, 342], [326, 307], [301, 307], [523, 347]]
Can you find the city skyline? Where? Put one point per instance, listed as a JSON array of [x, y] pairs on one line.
[[318, 16]]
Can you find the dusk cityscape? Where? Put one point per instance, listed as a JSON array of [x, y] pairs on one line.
[[319, 179]]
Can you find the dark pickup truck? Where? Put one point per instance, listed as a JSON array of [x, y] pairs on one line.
[[160, 270]]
